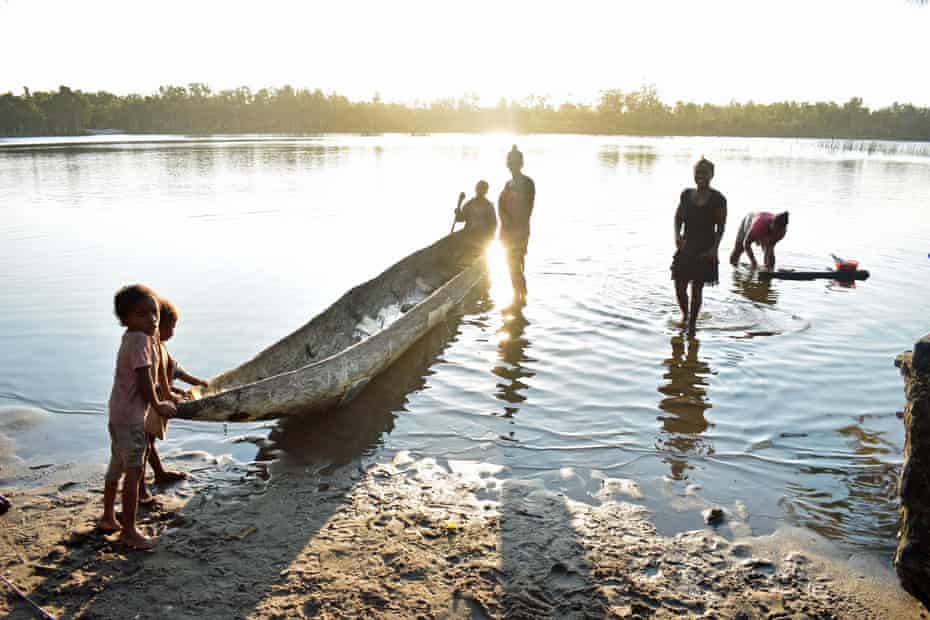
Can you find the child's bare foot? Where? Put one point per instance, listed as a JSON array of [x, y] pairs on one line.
[[170, 476], [109, 526], [134, 540]]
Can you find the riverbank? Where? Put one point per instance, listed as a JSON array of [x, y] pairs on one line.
[[408, 539]]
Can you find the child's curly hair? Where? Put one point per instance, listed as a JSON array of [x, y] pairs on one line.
[[168, 311], [127, 297]]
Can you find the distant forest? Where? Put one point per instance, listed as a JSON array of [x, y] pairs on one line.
[[199, 110]]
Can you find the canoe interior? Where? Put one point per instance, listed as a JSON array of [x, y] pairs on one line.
[[841, 276], [339, 435], [358, 314]]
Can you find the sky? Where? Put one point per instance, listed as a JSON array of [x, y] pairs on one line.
[[703, 51]]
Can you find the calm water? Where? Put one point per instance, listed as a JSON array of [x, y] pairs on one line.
[[782, 410]]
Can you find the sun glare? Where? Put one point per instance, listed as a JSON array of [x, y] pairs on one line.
[[501, 288]]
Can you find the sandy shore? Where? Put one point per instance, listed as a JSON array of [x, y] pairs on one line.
[[408, 539]]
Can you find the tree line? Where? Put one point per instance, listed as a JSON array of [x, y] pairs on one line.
[[196, 108]]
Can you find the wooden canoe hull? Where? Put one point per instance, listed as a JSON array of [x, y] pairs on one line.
[[287, 378]]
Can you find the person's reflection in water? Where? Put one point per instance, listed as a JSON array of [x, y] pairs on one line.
[[512, 345], [754, 289], [685, 403]]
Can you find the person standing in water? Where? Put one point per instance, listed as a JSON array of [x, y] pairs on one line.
[[514, 207], [763, 228], [699, 223]]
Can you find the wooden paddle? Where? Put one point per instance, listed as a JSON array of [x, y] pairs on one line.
[[459, 206]]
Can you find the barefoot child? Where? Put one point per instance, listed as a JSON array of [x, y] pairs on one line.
[[132, 395], [155, 425]]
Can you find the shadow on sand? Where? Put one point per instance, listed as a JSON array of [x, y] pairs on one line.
[[283, 536]]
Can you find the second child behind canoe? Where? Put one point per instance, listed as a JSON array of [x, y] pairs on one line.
[[157, 426], [478, 213]]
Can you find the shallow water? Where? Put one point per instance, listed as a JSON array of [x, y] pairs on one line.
[[782, 410]]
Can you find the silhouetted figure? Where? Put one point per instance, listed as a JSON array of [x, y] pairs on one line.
[[515, 206], [763, 228], [478, 215], [703, 212]]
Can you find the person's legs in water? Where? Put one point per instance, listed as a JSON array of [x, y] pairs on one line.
[[737, 252], [681, 290], [697, 296], [740, 240], [515, 262]]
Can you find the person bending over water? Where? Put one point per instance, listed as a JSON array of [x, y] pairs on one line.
[[515, 206], [702, 212], [763, 228]]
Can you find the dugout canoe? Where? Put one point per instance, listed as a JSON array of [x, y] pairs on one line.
[[839, 275], [330, 359]]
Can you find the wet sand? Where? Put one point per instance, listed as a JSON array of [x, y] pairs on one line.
[[407, 539]]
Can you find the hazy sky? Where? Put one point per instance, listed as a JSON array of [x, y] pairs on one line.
[[707, 50]]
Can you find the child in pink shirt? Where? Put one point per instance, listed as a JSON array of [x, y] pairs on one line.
[[155, 425], [133, 394]]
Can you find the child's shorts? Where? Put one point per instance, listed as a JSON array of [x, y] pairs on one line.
[[127, 449]]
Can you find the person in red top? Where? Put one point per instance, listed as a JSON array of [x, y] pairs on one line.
[[514, 207], [763, 228]]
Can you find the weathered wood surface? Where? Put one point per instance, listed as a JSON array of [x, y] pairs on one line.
[[912, 558], [840, 276], [330, 359]]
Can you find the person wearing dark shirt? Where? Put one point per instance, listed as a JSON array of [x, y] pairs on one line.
[[702, 211], [478, 213], [514, 207]]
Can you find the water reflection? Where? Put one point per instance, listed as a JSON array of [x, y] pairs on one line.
[[338, 436], [859, 513], [639, 156], [685, 402], [512, 345], [753, 288]]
